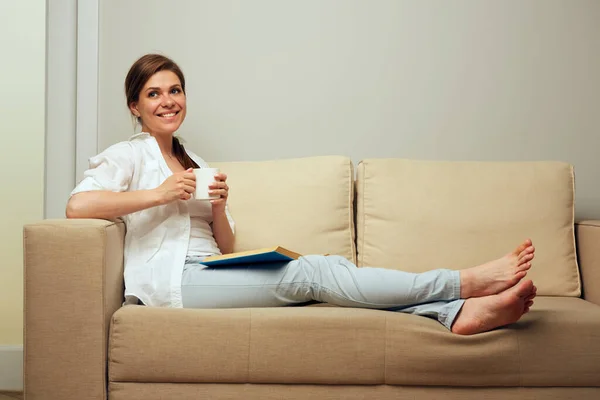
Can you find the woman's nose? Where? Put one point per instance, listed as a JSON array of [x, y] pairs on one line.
[[168, 101]]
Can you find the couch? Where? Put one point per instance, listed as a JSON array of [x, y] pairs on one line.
[[82, 342]]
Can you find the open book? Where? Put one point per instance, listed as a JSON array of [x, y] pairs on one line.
[[270, 254]]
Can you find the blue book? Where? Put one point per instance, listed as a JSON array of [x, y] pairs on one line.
[[260, 256]]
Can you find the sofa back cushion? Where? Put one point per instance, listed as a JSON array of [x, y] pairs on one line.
[[421, 215], [304, 204]]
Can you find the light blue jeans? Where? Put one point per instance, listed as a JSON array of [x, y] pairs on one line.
[[327, 279]]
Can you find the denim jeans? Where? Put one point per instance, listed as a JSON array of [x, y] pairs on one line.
[[328, 279]]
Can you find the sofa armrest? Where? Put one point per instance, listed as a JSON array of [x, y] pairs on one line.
[[587, 235], [73, 285]]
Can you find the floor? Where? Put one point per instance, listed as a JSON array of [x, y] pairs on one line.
[[11, 395]]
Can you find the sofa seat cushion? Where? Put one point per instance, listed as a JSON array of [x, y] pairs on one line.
[[556, 344]]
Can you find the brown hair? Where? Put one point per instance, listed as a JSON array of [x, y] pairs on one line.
[[139, 73]]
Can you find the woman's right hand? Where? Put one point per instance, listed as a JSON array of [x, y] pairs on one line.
[[178, 186]]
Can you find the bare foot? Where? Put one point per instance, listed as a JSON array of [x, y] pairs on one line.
[[481, 314], [498, 275], [529, 300]]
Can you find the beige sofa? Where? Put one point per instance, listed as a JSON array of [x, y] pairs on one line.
[[81, 343]]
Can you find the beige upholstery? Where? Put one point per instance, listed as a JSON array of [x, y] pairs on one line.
[[556, 342], [421, 215], [74, 287], [302, 204], [227, 391], [588, 249]]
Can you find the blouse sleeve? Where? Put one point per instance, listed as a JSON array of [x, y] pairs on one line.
[[110, 170]]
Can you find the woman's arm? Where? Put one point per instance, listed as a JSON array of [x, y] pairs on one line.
[[102, 204], [222, 232]]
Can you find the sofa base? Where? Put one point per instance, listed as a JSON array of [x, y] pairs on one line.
[[180, 391]]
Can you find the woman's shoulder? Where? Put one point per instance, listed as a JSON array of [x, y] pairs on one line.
[[126, 152], [128, 147], [120, 155], [119, 149], [140, 139]]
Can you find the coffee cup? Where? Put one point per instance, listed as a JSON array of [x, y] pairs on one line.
[[205, 177]]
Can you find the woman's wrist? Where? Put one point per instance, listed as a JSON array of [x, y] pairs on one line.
[[155, 197], [218, 211]]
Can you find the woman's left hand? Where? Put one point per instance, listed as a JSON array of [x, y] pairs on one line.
[[221, 188]]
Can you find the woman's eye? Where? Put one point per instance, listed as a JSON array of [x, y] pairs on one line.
[[175, 90], [152, 94]]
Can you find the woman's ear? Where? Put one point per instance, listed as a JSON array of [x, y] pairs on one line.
[[134, 110]]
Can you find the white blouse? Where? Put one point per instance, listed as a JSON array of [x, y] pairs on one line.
[[158, 238]]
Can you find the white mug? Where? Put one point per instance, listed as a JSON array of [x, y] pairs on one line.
[[204, 177]]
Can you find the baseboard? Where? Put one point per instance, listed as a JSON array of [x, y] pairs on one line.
[[11, 368]]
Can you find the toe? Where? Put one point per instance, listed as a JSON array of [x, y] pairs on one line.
[[518, 276], [524, 288], [530, 297], [527, 251], [522, 247], [525, 266], [526, 257]]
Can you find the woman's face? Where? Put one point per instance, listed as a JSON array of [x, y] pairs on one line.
[[161, 104]]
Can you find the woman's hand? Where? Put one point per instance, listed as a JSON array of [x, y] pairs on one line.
[[219, 187], [179, 186], [220, 225]]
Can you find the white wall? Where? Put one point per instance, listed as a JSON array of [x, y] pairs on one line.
[[22, 107], [461, 80], [61, 105]]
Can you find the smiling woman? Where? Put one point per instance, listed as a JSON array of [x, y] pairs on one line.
[[148, 180], [155, 92]]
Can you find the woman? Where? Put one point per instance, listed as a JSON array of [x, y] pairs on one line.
[[147, 181]]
